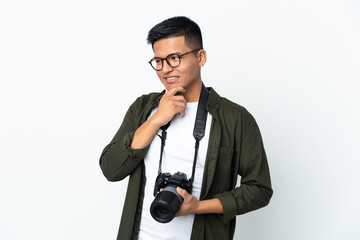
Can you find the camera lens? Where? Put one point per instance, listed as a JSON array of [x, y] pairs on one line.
[[166, 204], [162, 211]]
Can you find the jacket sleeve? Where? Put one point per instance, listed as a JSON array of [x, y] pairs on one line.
[[118, 159], [255, 190]]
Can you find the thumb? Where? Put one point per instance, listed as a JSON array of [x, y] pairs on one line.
[[182, 192]]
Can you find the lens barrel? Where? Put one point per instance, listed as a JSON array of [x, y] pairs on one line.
[[166, 204]]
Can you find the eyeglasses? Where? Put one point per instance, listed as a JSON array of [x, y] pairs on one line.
[[173, 60]]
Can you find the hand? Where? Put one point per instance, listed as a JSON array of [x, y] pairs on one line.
[[189, 205], [170, 104]]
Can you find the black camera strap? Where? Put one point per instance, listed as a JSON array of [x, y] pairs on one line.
[[199, 129]]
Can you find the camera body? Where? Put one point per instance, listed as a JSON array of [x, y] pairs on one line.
[[167, 202], [179, 179]]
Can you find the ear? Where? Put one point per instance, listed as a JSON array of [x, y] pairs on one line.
[[202, 57]]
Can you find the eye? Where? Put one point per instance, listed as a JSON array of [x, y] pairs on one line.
[[157, 60], [174, 57]]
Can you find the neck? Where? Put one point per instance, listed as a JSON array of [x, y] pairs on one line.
[[192, 93]]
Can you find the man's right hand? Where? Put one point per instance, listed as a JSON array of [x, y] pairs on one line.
[[170, 104]]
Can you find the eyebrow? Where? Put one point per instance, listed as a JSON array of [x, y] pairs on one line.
[[169, 54]]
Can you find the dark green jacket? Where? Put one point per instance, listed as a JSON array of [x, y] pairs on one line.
[[235, 148]]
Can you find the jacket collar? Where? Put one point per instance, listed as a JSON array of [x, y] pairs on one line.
[[213, 101], [213, 107], [156, 100]]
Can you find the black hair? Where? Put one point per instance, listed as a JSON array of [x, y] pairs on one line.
[[175, 27]]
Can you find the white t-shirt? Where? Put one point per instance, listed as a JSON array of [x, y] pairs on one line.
[[178, 155]]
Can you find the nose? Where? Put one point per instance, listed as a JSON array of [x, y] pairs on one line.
[[166, 67]]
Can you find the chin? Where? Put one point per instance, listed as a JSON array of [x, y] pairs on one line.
[[172, 85]]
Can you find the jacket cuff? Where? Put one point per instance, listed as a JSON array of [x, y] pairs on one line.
[[134, 153], [228, 203]]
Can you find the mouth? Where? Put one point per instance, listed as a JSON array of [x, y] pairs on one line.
[[170, 79]]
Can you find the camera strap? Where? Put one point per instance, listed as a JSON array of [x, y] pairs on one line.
[[199, 129]]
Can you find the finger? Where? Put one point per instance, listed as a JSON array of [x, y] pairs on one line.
[[182, 192], [174, 90], [179, 104], [159, 191], [179, 98], [180, 110], [180, 114]]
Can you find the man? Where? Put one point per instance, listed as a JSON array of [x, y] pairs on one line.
[[231, 146]]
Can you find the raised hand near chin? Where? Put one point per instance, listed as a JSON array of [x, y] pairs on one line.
[[170, 104]]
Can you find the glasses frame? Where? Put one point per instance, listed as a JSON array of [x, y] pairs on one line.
[[165, 58]]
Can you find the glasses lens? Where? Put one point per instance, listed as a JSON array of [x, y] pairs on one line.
[[173, 60], [156, 64]]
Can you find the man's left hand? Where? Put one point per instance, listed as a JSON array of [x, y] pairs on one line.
[[189, 205]]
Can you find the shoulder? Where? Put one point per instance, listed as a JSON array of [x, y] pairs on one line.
[[227, 107], [150, 99]]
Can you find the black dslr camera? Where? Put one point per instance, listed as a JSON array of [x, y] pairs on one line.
[[167, 202]]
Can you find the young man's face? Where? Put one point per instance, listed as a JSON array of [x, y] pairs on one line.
[[187, 74]]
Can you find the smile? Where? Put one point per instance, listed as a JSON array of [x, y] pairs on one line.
[[171, 79]]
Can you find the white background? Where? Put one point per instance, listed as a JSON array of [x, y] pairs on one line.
[[69, 70]]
